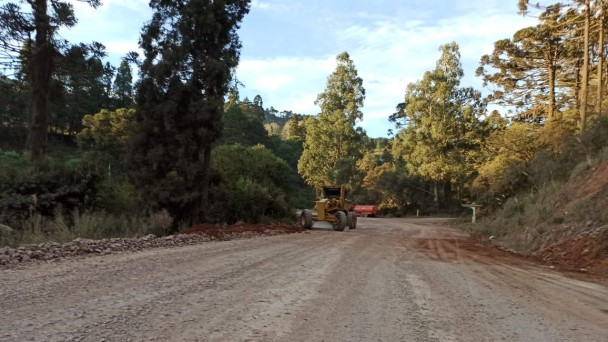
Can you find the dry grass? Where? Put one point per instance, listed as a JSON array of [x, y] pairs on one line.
[[89, 225]]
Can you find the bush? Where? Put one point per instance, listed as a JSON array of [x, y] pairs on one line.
[[255, 185], [12, 167], [40, 188], [118, 196], [249, 201]]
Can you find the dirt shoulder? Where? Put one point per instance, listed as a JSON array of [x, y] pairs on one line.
[[78, 248]]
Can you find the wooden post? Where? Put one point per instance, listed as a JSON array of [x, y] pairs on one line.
[[474, 208]]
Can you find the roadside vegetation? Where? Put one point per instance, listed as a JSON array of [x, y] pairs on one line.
[[110, 157]]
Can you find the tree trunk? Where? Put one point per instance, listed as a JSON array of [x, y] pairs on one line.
[[600, 62], [204, 216], [585, 77], [551, 114], [447, 193], [435, 197], [42, 68]]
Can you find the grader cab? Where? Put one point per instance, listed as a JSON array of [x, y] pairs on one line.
[[332, 210]]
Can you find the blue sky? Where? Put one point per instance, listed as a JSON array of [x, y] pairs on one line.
[[289, 47]]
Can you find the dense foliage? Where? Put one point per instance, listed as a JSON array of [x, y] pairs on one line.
[[180, 147], [332, 143], [255, 184], [191, 49], [38, 62], [442, 134]]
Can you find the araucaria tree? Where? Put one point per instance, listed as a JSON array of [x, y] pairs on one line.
[[43, 18], [525, 69], [332, 143], [191, 49]]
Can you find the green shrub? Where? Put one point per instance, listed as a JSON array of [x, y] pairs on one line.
[[250, 201], [40, 188], [255, 185], [13, 168], [118, 196]]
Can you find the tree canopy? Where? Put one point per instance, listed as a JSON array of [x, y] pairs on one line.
[[442, 132], [332, 142], [191, 49], [44, 18]]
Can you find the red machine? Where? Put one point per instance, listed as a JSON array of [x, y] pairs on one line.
[[366, 210]]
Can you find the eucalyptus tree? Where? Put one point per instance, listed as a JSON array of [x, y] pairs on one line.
[[43, 19], [191, 51], [442, 134], [294, 128], [332, 143]]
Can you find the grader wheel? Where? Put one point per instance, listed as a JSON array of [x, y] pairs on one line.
[[306, 219], [351, 220], [340, 221]]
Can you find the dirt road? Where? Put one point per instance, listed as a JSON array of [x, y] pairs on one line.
[[388, 280]]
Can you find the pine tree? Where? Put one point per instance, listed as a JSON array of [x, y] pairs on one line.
[[601, 9], [191, 50], [122, 88], [585, 21], [584, 91], [82, 80], [44, 18], [524, 69]]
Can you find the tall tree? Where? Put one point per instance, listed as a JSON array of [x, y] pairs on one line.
[[44, 18], [294, 128], [122, 89], [586, 16], [585, 71], [524, 69], [191, 50], [243, 124], [442, 133], [332, 142], [104, 138], [601, 15], [13, 112], [83, 82]]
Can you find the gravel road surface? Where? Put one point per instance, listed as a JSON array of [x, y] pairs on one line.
[[389, 280]]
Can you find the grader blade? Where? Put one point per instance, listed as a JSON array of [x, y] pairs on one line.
[[322, 225]]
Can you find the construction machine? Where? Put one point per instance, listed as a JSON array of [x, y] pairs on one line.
[[332, 210]]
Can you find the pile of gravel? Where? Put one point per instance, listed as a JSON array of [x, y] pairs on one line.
[[50, 251]]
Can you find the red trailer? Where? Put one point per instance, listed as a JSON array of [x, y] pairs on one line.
[[366, 210]]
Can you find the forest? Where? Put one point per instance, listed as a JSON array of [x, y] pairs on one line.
[[164, 141]]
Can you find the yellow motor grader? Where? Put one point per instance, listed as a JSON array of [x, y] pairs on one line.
[[332, 210]]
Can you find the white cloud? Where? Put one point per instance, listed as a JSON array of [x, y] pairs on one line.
[[260, 4], [116, 24], [286, 83], [388, 52]]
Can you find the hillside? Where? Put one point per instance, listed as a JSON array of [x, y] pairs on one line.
[[565, 225], [580, 244]]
